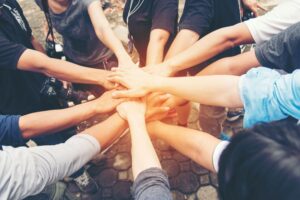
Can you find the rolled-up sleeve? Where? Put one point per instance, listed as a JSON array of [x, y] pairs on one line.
[[269, 96], [26, 171], [152, 184], [282, 51], [10, 133]]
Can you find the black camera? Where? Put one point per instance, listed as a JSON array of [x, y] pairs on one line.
[[54, 50], [248, 14]]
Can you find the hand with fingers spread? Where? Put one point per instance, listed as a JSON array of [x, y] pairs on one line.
[[254, 6], [136, 80]]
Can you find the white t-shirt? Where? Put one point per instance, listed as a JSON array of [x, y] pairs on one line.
[[218, 152], [280, 18], [26, 171]]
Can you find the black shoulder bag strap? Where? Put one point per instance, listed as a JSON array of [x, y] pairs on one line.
[[49, 22]]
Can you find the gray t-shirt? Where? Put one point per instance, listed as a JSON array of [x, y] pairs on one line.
[[282, 51], [81, 44]]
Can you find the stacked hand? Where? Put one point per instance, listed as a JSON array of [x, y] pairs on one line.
[[151, 107], [106, 103], [136, 80]]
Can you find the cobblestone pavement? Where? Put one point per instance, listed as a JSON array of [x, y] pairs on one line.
[[113, 174]]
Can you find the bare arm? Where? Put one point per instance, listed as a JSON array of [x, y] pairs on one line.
[[35, 61], [156, 46], [184, 39], [108, 131], [105, 33], [141, 140], [218, 90], [206, 48], [198, 146], [236, 65], [47, 122]]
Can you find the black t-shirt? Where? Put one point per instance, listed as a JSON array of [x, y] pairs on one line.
[[19, 89], [152, 14], [205, 16]]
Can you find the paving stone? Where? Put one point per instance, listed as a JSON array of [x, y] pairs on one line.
[[122, 161], [126, 139], [111, 152], [123, 175], [122, 148], [166, 155], [192, 197], [177, 195], [185, 166], [107, 193], [187, 182], [179, 157], [207, 193], [161, 145], [214, 179], [204, 179], [107, 177], [130, 174], [198, 169], [171, 167], [121, 190]]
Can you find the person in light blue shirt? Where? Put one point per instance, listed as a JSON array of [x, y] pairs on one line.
[[265, 94]]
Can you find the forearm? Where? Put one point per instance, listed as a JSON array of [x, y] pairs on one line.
[[141, 140], [219, 90], [108, 131], [236, 65], [37, 62], [156, 46], [210, 46], [40, 123], [198, 146]]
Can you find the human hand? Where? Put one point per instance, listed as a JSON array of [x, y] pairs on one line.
[[254, 6], [105, 103], [136, 80], [104, 82], [132, 108], [157, 109]]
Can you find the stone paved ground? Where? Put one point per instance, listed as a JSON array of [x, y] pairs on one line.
[[187, 179]]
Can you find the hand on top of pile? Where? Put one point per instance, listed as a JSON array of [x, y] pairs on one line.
[[153, 103], [136, 80]]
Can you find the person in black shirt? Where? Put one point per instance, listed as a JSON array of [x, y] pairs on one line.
[[152, 27]]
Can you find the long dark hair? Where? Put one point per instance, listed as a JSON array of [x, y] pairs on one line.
[[262, 163]]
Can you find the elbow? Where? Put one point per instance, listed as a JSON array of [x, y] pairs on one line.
[[229, 37], [159, 39]]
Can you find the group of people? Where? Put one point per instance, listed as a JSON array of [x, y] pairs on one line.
[[201, 50]]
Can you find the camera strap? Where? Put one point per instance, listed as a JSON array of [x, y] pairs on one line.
[[49, 22]]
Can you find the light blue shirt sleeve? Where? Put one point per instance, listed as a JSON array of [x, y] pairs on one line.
[[26, 171], [269, 96]]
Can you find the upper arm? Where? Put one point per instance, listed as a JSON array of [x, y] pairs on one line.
[[237, 34], [10, 133], [32, 60]]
